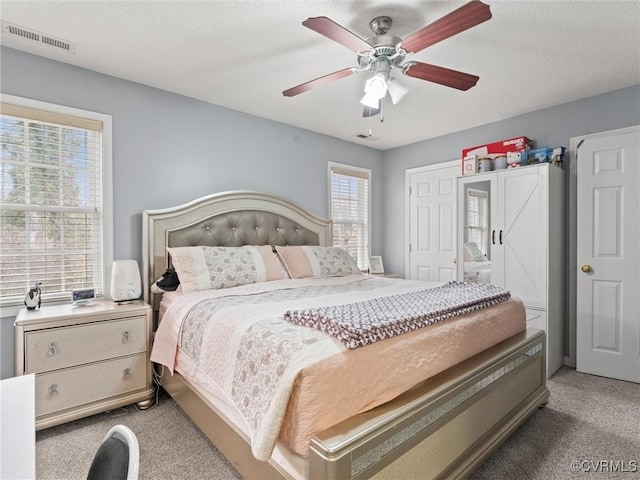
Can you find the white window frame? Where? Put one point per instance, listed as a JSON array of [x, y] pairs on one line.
[[11, 306], [357, 172]]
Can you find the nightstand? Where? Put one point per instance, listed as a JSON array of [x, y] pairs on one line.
[[385, 275], [87, 359]]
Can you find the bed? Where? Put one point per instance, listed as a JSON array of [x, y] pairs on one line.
[[440, 426]]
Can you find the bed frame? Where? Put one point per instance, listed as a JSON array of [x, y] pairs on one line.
[[444, 427]]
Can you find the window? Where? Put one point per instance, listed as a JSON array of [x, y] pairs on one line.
[[477, 218], [53, 221], [349, 207]]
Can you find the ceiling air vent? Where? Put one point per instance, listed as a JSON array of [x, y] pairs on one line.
[[21, 32], [25, 36], [366, 136], [54, 42]]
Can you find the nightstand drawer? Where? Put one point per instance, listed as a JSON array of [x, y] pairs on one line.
[[79, 385], [55, 348]]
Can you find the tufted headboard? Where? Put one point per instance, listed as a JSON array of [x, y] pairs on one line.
[[229, 219]]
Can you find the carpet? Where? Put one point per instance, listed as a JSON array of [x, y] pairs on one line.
[[589, 429]]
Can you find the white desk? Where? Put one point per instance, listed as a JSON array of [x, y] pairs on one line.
[[18, 428]]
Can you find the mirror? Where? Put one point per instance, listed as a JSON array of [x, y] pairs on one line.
[[477, 232]]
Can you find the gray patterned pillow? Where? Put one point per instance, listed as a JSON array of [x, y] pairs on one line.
[[474, 252], [204, 268]]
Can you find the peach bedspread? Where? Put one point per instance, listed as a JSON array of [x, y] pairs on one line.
[[355, 381], [338, 383]]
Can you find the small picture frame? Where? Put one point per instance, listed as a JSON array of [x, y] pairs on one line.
[[375, 264]]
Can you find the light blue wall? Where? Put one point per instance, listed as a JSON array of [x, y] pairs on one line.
[[550, 127], [169, 149]]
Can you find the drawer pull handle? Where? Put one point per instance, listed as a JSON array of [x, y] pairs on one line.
[[126, 374], [53, 349], [125, 336], [53, 390]]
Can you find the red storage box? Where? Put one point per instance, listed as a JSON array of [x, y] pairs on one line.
[[516, 144]]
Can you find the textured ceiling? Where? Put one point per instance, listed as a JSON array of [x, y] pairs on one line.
[[242, 55]]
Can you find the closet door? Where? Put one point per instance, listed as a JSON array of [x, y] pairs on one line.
[[608, 258], [521, 233], [431, 222]]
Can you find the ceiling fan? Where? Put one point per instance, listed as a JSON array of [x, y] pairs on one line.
[[383, 52]]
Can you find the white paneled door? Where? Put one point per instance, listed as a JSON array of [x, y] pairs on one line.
[[608, 255], [432, 222]]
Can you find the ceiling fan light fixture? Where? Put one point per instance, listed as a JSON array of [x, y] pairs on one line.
[[374, 90], [370, 100], [376, 85], [397, 91]]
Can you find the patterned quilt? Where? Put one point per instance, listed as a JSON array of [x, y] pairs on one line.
[[362, 323], [238, 340]]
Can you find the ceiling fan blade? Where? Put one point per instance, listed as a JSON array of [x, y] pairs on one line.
[[465, 17], [330, 29], [441, 75], [303, 87], [371, 111]]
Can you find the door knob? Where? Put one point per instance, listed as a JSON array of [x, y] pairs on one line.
[[586, 268]]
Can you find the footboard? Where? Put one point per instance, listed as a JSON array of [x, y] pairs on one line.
[[445, 427]]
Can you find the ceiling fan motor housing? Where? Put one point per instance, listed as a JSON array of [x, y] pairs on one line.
[[380, 25], [384, 50]]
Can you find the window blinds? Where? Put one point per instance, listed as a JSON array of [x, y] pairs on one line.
[[51, 228], [350, 212]]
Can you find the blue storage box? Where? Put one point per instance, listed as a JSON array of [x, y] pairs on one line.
[[537, 155]]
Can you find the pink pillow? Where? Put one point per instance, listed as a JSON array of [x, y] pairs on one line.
[[282, 271], [315, 262]]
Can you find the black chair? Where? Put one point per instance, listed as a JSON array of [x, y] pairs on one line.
[[118, 457]]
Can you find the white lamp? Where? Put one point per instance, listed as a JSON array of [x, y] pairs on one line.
[[125, 281], [375, 89], [370, 100], [396, 91]]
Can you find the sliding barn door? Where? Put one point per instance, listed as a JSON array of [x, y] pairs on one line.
[[521, 234]]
